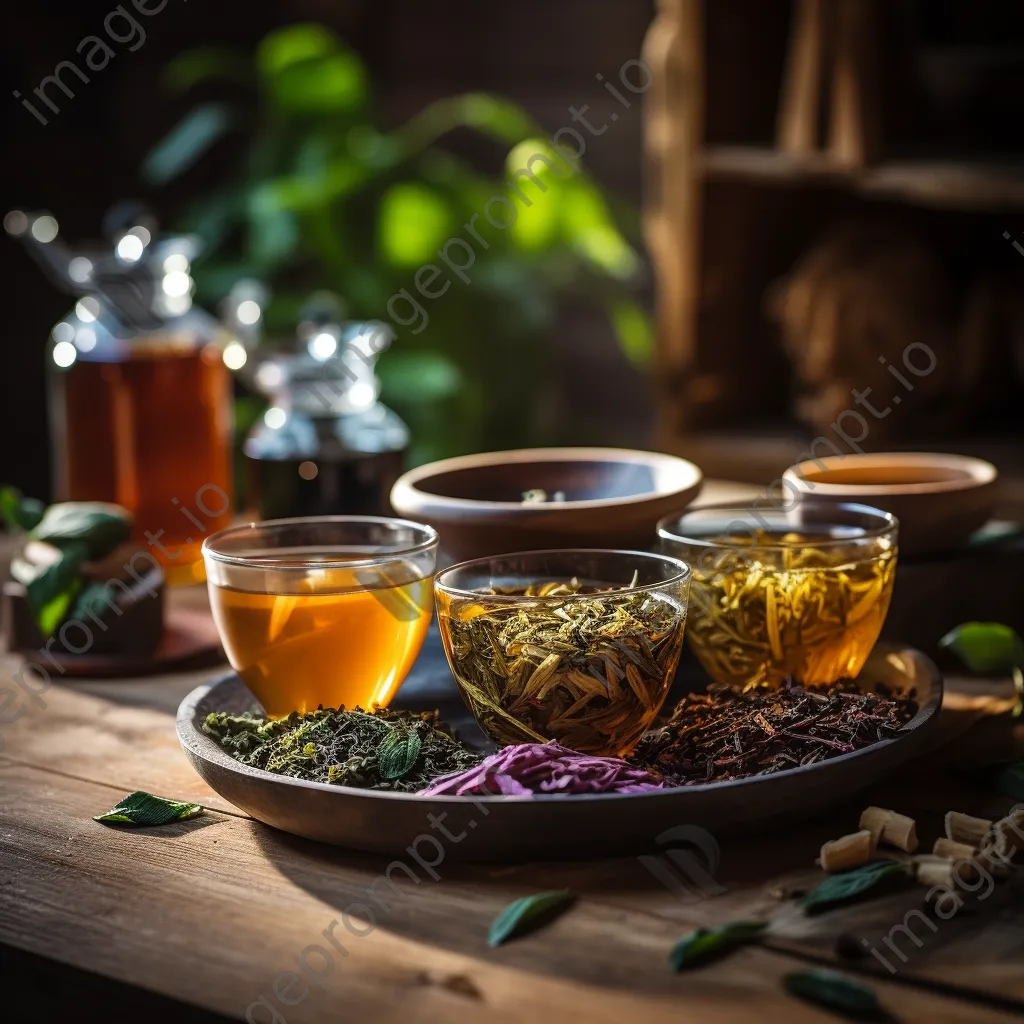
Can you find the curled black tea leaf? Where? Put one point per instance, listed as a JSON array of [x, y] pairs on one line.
[[706, 944], [852, 885], [528, 914], [398, 753], [143, 810], [834, 992]]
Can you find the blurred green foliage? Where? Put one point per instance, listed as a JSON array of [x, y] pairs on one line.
[[323, 198]]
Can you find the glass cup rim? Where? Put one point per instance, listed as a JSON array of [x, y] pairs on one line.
[[889, 524], [247, 561], [682, 576]]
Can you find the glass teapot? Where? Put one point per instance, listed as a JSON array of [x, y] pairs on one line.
[[326, 445], [139, 393]]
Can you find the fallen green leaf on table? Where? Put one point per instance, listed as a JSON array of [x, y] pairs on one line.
[[528, 914], [706, 944], [986, 648], [852, 885], [143, 810], [398, 753], [834, 992]]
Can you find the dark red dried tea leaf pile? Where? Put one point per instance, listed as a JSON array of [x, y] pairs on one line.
[[728, 735]]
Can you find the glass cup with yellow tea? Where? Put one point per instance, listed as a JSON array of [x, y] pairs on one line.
[[785, 595], [578, 646], [327, 610]]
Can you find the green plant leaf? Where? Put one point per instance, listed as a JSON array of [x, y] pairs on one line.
[[413, 223], [986, 648], [419, 376], [186, 142], [95, 600], [706, 944], [273, 231], [490, 115], [19, 512], [398, 753], [528, 914], [834, 992], [634, 331], [214, 278], [143, 810], [213, 218], [98, 525], [537, 181], [204, 63], [591, 232], [332, 84], [292, 45], [850, 886], [50, 589], [495, 116]]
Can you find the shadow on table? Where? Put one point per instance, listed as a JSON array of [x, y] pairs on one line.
[[632, 909]]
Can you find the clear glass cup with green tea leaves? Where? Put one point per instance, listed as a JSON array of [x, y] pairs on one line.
[[578, 646], [797, 595]]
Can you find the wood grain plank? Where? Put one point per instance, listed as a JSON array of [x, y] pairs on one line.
[[211, 912]]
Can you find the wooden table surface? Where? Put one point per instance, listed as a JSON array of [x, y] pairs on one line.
[[221, 917]]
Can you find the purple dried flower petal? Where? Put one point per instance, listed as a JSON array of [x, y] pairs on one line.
[[527, 768]]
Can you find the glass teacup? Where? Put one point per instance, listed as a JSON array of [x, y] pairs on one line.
[[327, 610]]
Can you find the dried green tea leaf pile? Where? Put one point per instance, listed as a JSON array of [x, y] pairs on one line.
[[385, 749], [587, 670], [727, 735]]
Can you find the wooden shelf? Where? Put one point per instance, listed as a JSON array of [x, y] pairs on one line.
[[938, 183]]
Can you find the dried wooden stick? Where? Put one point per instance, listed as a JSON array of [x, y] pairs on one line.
[[851, 851], [1010, 832], [931, 871], [962, 828], [895, 829], [952, 850]]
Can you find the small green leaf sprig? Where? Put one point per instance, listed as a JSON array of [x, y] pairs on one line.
[[850, 886], [143, 810], [529, 914], [990, 648]]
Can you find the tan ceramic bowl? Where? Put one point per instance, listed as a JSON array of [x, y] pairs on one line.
[[614, 498], [940, 500]]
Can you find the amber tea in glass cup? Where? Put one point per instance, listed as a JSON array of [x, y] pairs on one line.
[[781, 595], [329, 610], [579, 646]]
